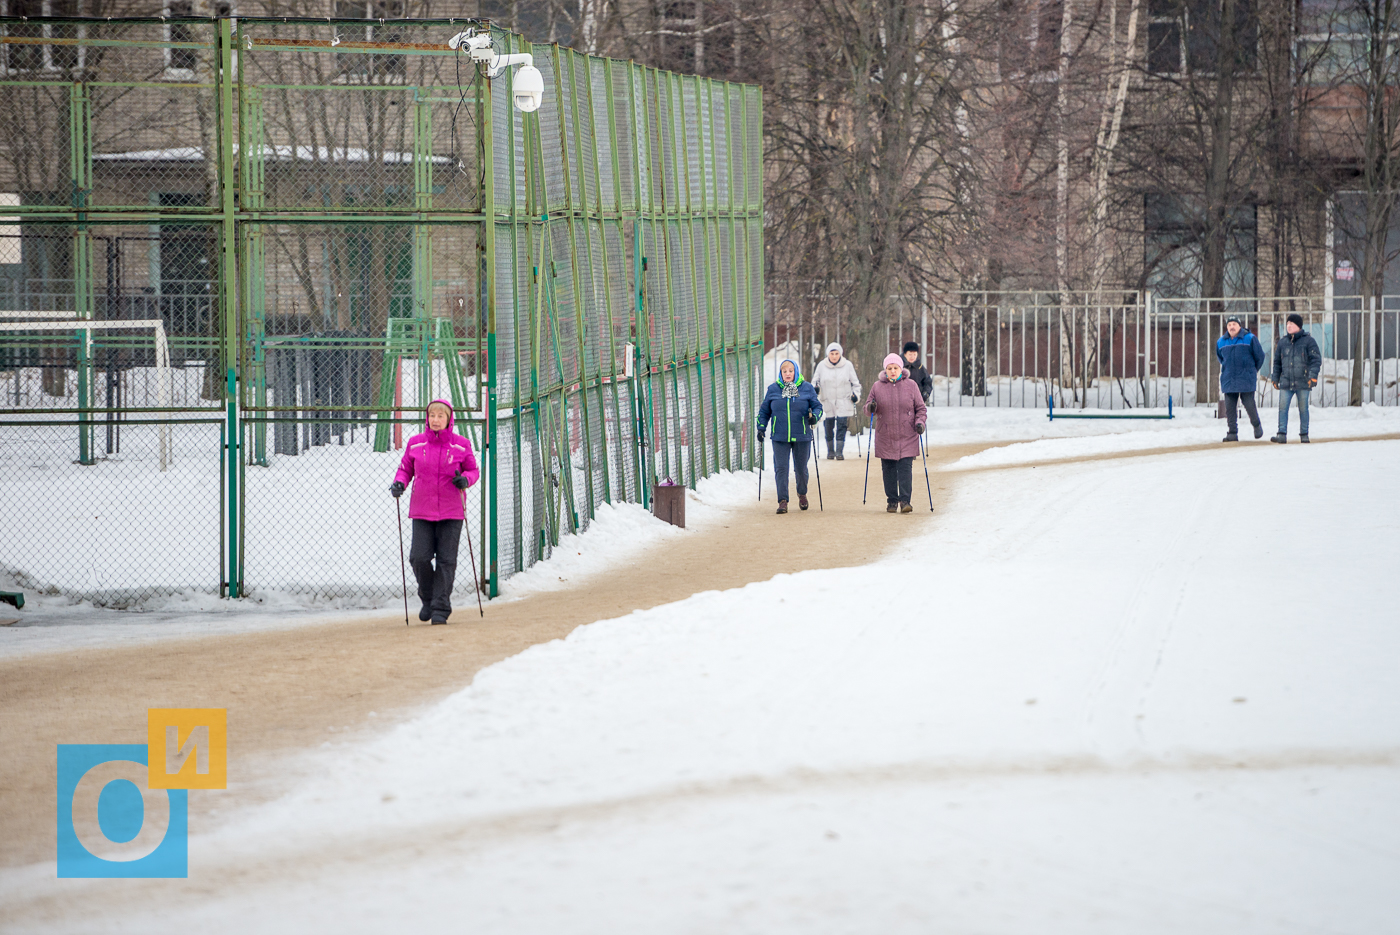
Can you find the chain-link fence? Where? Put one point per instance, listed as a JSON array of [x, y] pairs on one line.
[[238, 259]]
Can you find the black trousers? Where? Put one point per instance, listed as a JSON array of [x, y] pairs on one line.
[[440, 538], [836, 425], [899, 479], [1232, 414]]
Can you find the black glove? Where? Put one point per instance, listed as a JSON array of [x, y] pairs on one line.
[[761, 436], [460, 482], [870, 407], [813, 418], [855, 397], [919, 427], [396, 489]]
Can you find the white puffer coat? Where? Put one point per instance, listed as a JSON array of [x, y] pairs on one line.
[[835, 383]]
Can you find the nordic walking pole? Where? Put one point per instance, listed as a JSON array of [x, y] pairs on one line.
[[867, 459], [927, 485], [817, 461], [476, 581], [761, 452], [403, 573]]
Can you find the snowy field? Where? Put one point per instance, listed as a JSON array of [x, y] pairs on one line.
[[1144, 695]]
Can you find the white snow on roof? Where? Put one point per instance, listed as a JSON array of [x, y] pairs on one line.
[[279, 153]]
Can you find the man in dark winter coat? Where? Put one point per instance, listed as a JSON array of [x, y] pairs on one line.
[[917, 372], [1240, 355], [1297, 363]]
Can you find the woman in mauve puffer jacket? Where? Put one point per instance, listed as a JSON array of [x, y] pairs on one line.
[[898, 424]]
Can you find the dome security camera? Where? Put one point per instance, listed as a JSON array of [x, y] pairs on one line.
[[528, 89]]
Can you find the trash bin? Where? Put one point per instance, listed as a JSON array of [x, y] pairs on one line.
[[668, 503]]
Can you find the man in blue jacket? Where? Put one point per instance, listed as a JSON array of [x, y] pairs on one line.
[[1297, 363], [1240, 355], [792, 406]]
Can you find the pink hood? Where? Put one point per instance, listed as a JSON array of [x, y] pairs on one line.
[[430, 461]]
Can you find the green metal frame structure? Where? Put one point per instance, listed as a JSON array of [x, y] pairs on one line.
[[383, 227]]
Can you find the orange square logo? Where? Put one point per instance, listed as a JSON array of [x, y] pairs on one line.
[[187, 748]]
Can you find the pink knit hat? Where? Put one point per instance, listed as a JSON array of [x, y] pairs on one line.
[[893, 359]]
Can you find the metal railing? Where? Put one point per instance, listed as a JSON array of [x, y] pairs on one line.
[[1005, 351]]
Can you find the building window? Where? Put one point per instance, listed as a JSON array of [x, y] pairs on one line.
[[1335, 41], [1174, 241], [179, 62], [44, 56], [1183, 36], [362, 66]]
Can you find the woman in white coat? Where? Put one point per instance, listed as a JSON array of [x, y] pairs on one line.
[[838, 388]]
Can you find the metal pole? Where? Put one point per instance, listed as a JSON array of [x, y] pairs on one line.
[[471, 552], [403, 573], [228, 271], [927, 484]]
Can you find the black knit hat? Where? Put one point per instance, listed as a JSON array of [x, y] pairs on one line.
[[1295, 319], [1235, 319], [911, 346]]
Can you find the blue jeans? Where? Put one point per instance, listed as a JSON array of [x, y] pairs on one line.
[[798, 452], [1285, 397]]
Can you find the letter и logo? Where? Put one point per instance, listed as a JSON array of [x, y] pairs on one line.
[[189, 748], [110, 822]]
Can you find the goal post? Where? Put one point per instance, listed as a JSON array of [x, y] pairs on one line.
[[62, 321]]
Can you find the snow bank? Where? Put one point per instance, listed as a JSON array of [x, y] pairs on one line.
[[621, 534], [1070, 708]]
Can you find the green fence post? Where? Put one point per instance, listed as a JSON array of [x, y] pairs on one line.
[[228, 266], [490, 553], [253, 282], [423, 243], [80, 175]]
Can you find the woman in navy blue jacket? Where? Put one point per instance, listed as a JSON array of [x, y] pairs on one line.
[[1240, 355], [791, 404]]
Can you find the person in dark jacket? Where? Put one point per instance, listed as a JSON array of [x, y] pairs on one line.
[[917, 371], [1240, 355], [791, 404], [1297, 363]]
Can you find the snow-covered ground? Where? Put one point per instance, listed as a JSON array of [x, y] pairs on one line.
[[1079, 438], [1143, 695]]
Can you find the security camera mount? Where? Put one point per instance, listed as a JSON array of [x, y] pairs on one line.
[[481, 48]]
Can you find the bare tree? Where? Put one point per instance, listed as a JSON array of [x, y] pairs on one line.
[[1358, 65]]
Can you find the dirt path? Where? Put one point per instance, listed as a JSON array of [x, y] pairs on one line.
[[290, 690]]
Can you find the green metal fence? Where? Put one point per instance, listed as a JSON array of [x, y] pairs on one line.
[[294, 234]]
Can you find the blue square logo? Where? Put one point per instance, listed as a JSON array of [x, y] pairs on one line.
[[110, 824]]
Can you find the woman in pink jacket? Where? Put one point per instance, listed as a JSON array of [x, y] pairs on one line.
[[440, 465], [896, 401]]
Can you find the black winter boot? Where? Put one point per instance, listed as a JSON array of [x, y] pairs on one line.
[[892, 508], [1281, 438], [1258, 430], [840, 456], [425, 612], [1231, 437], [1303, 439]]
